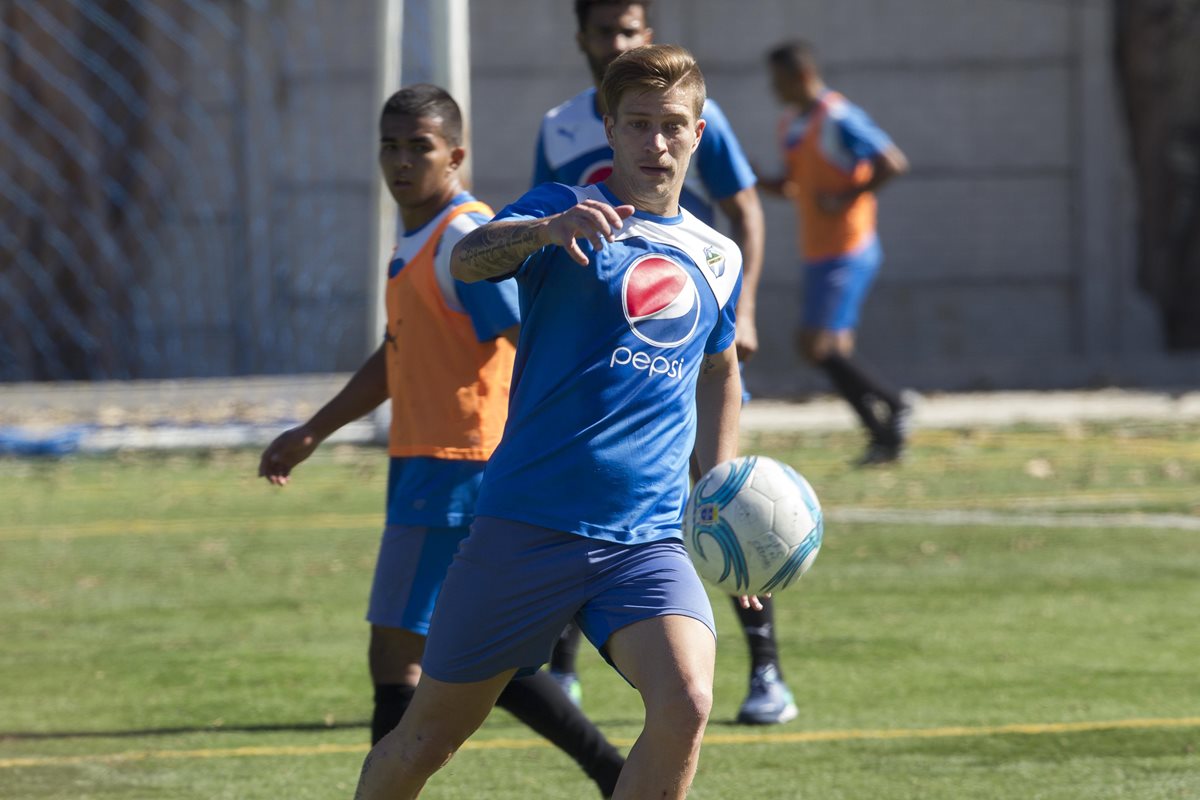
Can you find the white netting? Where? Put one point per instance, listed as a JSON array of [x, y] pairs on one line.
[[185, 186]]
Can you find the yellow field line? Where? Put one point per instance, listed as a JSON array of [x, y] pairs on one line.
[[779, 737]]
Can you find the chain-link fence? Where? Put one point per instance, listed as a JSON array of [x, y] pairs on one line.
[[185, 186]]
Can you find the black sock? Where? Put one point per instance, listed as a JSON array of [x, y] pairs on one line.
[[860, 389], [565, 649], [391, 701], [760, 633], [539, 703]]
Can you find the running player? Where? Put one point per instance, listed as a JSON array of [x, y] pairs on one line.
[[837, 158], [446, 362], [572, 149], [624, 366]]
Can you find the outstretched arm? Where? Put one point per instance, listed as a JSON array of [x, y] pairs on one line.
[[498, 248], [365, 390]]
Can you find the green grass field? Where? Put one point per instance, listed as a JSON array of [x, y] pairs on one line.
[[1020, 618]]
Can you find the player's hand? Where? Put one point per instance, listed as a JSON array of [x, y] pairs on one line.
[[746, 338], [751, 601], [591, 220], [289, 449]]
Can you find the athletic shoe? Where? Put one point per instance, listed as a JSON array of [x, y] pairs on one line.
[[888, 448], [770, 701], [569, 683], [880, 453]]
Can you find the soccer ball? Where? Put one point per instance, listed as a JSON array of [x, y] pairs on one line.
[[752, 525]]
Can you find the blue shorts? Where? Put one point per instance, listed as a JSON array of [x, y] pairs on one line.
[[412, 565], [834, 290], [513, 587]]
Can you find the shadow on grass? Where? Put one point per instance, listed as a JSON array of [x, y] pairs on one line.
[[501, 722], [27, 736]]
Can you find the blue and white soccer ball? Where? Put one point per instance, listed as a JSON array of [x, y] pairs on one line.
[[752, 525]]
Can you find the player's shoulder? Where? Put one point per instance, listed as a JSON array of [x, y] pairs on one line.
[[558, 194], [708, 237], [464, 222], [839, 107], [718, 257], [542, 200], [711, 109], [715, 120], [572, 110]]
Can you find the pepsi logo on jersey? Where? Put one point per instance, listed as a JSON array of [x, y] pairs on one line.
[[660, 301]]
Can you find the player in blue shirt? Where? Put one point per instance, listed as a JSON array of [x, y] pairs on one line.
[[446, 363], [572, 149], [625, 366]]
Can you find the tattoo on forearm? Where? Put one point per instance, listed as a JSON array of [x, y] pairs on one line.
[[498, 248], [709, 365]]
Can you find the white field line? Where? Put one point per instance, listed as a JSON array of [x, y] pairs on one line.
[[966, 518], [868, 516]]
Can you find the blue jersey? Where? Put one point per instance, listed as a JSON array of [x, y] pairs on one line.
[[573, 149], [602, 411]]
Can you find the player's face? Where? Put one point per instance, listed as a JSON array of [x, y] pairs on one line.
[[653, 135], [612, 28], [419, 166], [788, 85]]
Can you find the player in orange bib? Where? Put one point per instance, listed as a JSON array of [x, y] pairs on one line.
[[836, 158], [446, 362]]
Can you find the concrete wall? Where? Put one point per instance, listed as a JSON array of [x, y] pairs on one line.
[[1009, 249], [1009, 252]]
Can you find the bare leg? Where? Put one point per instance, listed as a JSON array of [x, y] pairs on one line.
[[395, 660], [671, 661], [439, 719]]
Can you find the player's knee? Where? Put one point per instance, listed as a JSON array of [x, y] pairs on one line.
[[423, 754], [684, 710]]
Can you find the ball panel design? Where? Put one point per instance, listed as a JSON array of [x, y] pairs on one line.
[[753, 525]]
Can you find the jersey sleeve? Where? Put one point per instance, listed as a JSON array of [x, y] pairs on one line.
[[725, 330], [491, 307], [722, 165], [539, 202], [542, 172], [862, 139]]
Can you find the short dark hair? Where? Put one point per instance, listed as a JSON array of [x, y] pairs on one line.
[[583, 7], [794, 56], [427, 100], [652, 66]]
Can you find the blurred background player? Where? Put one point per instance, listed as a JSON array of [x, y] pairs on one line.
[[626, 365], [446, 362], [572, 149], [836, 158]]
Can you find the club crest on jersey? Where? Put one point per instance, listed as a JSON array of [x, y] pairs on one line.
[[660, 300], [714, 259], [596, 173]]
